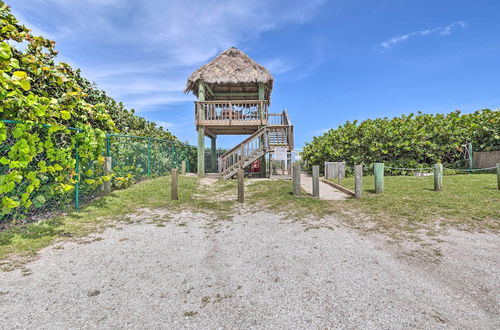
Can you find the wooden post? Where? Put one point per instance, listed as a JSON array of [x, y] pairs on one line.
[[296, 179], [213, 154], [201, 131], [341, 171], [498, 175], [183, 167], [438, 177], [107, 171], [335, 170], [201, 151], [174, 185], [358, 180], [378, 169], [263, 121], [315, 181], [241, 186]]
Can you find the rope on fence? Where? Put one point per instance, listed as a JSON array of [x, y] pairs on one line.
[[470, 170], [427, 168], [409, 169]]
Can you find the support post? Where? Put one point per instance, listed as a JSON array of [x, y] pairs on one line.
[[296, 179], [241, 186], [358, 180], [201, 151], [201, 131], [174, 185], [498, 175], [213, 154], [263, 121], [315, 181], [438, 177], [107, 171], [378, 169], [183, 167]]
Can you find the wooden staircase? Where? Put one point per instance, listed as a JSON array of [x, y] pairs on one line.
[[256, 146]]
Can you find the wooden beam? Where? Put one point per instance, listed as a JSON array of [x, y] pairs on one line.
[[209, 90], [201, 91], [236, 94]]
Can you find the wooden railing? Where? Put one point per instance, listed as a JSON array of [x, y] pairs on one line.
[[231, 112], [246, 151], [254, 147]]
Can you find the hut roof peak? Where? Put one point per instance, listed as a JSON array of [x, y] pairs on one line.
[[231, 67]]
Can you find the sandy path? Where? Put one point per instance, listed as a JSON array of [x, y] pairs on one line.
[[326, 192], [255, 271]]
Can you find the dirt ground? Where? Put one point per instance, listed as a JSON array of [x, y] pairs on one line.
[[256, 271]]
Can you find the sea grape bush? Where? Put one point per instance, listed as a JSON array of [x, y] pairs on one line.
[[37, 163], [409, 140]]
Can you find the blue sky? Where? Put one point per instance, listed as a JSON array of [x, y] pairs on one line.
[[332, 61]]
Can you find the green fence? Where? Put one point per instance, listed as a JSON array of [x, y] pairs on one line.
[[42, 172], [143, 156]]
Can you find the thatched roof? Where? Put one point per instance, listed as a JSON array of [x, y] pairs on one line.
[[231, 71]]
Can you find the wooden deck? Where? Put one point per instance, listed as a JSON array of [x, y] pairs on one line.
[[241, 117]]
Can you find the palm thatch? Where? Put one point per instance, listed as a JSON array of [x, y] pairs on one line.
[[232, 71]]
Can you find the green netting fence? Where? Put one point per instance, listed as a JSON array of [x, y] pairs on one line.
[[44, 169]]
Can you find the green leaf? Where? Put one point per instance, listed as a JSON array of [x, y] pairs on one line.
[[8, 203], [5, 51], [65, 115], [40, 199], [20, 74], [25, 85]]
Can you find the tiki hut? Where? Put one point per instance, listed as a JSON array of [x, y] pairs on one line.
[[232, 75]]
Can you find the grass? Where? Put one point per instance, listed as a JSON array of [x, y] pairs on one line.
[[25, 241], [408, 204], [467, 201]]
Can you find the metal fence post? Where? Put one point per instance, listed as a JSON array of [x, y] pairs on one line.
[[77, 172], [438, 177], [149, 157], [378, 169], [358, 180], [315, 181]]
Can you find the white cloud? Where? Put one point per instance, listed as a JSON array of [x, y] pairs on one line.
[[439, 31], [141, 52], [278, 65]]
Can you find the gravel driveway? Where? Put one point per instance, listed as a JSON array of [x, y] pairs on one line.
[[255, 271]]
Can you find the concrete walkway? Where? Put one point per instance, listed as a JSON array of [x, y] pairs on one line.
[[326, 192]]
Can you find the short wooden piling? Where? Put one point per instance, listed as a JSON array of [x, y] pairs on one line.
[[107, 172], [241, 186], [438, 177], [498, 175], [183, 167], [315, 181], [296, 179], [358, 180], [378, 169], [174, 185]]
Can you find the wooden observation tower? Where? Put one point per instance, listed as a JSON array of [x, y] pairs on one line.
[[234, 94]]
